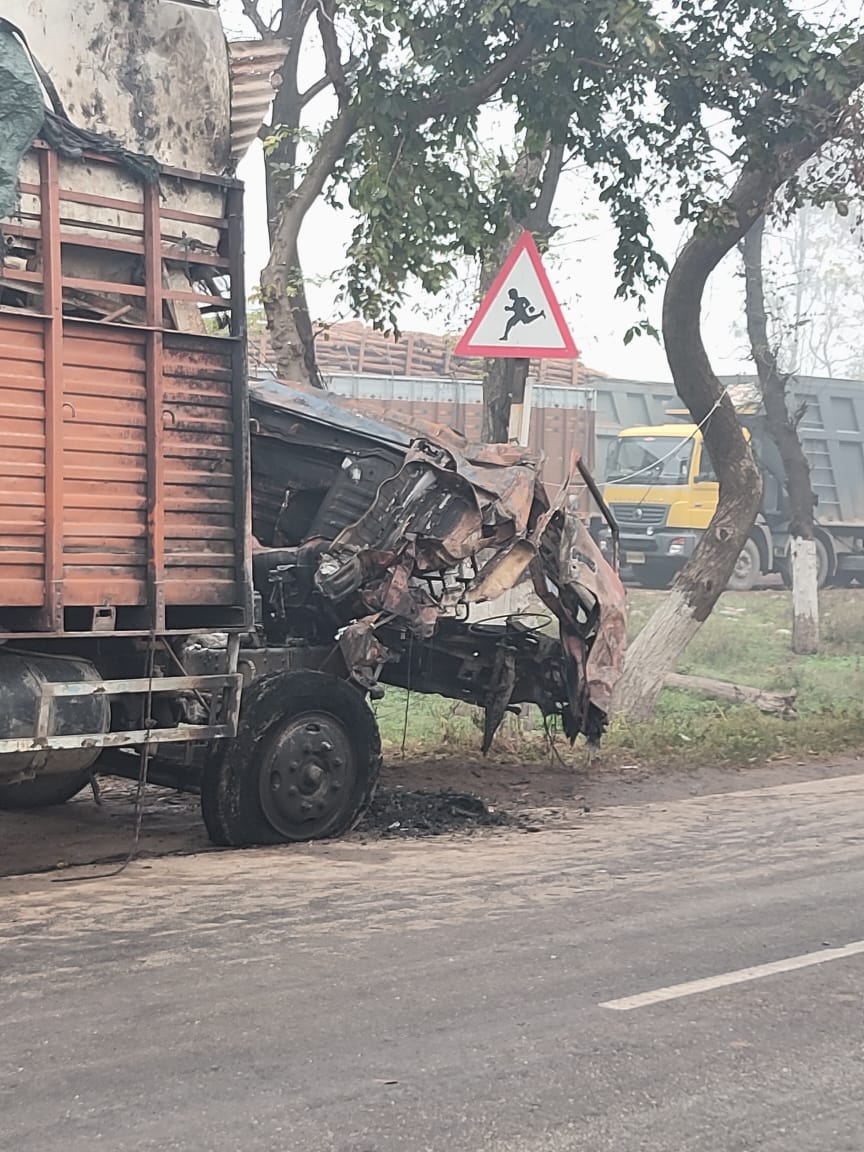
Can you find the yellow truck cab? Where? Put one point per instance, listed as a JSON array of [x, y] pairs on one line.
[[662, 489]]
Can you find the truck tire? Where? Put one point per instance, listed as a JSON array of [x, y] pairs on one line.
[[748, 568], [304, 765], [43, 791]]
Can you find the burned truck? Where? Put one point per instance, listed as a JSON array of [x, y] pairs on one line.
[[204, 582], [387, 537]]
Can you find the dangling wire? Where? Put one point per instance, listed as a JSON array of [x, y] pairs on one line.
[[143, 769], [677, 448], [551, 744]]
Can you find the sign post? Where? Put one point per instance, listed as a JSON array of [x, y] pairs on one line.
[[518, 388], [519, 319]]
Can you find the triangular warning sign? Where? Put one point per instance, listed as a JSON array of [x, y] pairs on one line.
[[520, 315]]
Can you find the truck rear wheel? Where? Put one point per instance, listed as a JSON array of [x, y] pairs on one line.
[[43, 791], [304, 765], [747, 570]]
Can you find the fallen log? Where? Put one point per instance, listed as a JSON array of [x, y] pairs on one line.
[[771, 703]]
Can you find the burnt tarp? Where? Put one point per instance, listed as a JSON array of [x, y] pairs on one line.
[[22, 111], [380, 538]]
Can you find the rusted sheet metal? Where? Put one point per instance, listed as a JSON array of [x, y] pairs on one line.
[[123, 480], [255, 68], [562, 419], [397, 555], [554, 432], [590, 572], [22, 462]]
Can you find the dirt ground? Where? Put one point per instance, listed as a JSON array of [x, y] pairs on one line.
[[416, 798]]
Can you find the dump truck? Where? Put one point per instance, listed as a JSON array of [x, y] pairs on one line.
[[204, 581], [662, 488]]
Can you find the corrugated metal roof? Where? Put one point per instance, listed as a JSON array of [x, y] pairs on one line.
[[254, 66]]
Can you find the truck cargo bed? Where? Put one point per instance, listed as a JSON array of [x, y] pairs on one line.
[[123, 469]]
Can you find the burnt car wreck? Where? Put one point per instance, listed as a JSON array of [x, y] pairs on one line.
[[373, 541]]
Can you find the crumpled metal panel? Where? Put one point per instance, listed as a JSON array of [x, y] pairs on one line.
[[457, 524], [590, 572]]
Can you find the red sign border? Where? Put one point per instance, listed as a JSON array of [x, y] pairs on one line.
[[465, 348]]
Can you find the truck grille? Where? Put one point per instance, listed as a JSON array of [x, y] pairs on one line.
[[642, 514]]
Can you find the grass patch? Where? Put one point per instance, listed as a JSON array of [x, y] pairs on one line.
[[697, 732], [746, 640], [432, 722]]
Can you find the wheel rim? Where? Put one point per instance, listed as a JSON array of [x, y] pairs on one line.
[[306, 775]]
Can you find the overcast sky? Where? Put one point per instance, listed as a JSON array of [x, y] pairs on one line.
[[580, 266]]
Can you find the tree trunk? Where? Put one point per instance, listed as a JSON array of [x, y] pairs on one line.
[[782, 429], [704, 577], [280, 164], [496, 403], [284, 297], [657, 648], [804, 562], [282, 283], [653, 654], [497, 379], [771, 703]]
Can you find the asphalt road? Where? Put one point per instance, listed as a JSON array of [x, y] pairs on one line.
[[455, 995]]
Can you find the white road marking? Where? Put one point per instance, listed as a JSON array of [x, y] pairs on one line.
[[741, 976]]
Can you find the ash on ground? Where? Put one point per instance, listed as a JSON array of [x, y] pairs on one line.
[[395, 812]]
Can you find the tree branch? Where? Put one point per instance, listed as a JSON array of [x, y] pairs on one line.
[[293, 17], [332, 51], [472, 95], [538, 217], [314, 90], [322, 84], [253, 14], [330, 148]]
